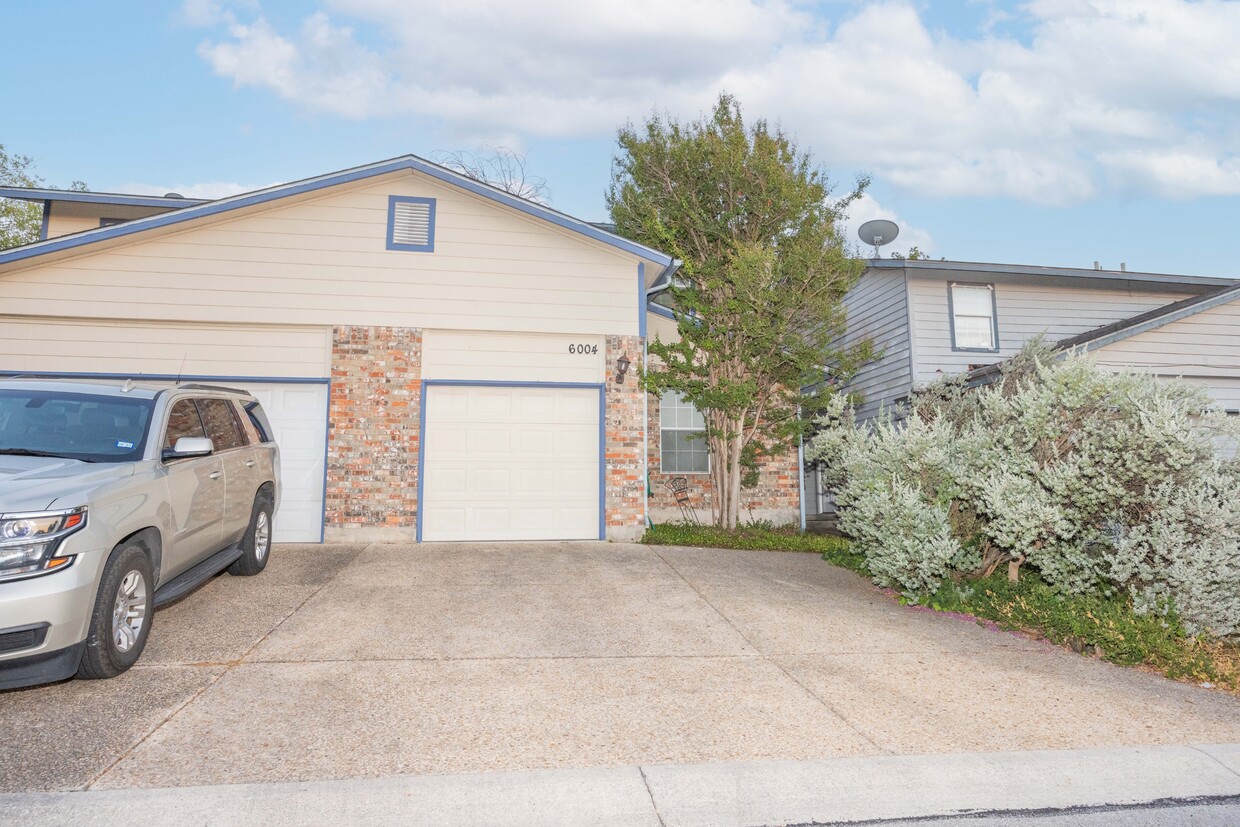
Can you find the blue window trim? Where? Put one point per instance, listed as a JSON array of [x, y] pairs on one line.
[[486, 383], [994, 316], [393, 200], [407, 162]]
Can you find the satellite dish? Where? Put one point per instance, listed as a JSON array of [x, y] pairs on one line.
[[878, 232]]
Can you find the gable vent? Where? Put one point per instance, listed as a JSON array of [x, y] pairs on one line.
[[411, 224]]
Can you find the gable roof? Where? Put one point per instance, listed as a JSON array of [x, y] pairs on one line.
[[982, 268], [271, 194], [1114, 332], [110, 198]]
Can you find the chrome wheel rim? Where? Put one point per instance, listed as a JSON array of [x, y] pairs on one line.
[[129, 613], [262, 535]]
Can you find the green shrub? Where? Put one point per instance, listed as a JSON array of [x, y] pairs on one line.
[[757, 537], [1100, 482]]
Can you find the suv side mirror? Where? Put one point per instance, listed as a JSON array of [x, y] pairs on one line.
[[189, 446]]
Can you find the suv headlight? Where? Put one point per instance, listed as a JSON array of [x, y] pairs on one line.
[[28, 542]]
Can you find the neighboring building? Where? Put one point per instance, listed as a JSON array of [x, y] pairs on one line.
[[440, 359], [937, 318]]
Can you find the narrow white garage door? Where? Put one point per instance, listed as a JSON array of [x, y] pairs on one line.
[[298, 415], [510, 463]]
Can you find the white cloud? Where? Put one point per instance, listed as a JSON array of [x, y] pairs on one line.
[[207, 190], [1100, 93]]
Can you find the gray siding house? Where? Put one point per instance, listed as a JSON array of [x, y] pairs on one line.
[[935, 318]]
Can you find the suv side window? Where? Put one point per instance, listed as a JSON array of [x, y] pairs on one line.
[[183, 421], [222, 425]]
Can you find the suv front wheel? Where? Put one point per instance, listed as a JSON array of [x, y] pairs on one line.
[[121, 620]]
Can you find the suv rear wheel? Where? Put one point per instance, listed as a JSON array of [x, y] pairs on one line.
[[256, 544], [121, 620]]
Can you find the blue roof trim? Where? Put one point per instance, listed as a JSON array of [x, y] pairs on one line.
[[114, 198], [660, 310], [407, 162]]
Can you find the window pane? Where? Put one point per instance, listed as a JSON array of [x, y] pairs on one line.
[[183, 421], [221, 424], [974, 331], [971, 301]]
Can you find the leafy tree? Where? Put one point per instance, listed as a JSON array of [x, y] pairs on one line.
[[758, 300], [21, 221]]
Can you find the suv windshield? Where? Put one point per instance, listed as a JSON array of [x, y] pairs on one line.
[[89, 427]]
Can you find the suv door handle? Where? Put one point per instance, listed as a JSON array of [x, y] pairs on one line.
[[215, 475], [249, 463]]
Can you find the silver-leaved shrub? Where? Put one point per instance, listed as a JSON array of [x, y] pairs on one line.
[[1096, 479]]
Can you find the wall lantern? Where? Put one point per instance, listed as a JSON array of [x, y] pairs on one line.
[[622, 367]]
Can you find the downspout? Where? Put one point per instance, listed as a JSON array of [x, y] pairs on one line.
[[801, 471], [660, 284]]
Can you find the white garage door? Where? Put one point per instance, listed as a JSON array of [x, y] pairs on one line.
[[510, 463], [298, 415]]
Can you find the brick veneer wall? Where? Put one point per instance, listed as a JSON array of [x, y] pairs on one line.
[[776, 496], [372, 440], [625, 495]]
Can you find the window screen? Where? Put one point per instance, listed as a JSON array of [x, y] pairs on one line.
[[681, 437], [221, 423], [973, 317]]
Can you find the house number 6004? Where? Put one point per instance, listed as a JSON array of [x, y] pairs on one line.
[[583, 348]]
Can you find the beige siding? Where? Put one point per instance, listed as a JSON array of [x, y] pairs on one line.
[[1206, 344], [512, 357], [58, 225], [104, 346], [322, 260], [661, 328], [1026, 308], [878, 310]]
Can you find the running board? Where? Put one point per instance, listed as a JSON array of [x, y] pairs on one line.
[[187, 581]]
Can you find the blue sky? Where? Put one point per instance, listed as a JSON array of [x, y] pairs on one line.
[[1054, 132]]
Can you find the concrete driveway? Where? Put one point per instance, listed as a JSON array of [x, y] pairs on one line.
[[349, 662]]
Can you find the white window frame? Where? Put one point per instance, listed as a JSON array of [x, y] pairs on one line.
[[953, 315], [670, 402]]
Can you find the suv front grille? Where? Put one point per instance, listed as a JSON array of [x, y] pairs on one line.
[[28, 638]]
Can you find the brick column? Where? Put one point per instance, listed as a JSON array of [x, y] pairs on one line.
[[624, 475], [373, 437]]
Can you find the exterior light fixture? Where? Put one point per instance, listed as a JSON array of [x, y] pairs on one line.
[[622, 367]]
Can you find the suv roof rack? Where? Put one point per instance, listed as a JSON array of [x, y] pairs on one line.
[[195, 386]]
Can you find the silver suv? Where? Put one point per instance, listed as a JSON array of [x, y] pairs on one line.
[[116, 499]]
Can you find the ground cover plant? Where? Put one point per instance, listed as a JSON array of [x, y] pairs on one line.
[[1104, 485], [753, 536], [1094, 624]]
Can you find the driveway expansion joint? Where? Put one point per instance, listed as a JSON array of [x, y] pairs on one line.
[[771, 658], [227, 668]]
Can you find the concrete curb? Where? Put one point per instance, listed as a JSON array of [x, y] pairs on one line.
[[718, 795]]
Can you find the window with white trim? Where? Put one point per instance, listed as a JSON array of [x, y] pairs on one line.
[[682, 436], [411, 224], [973, 317]]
